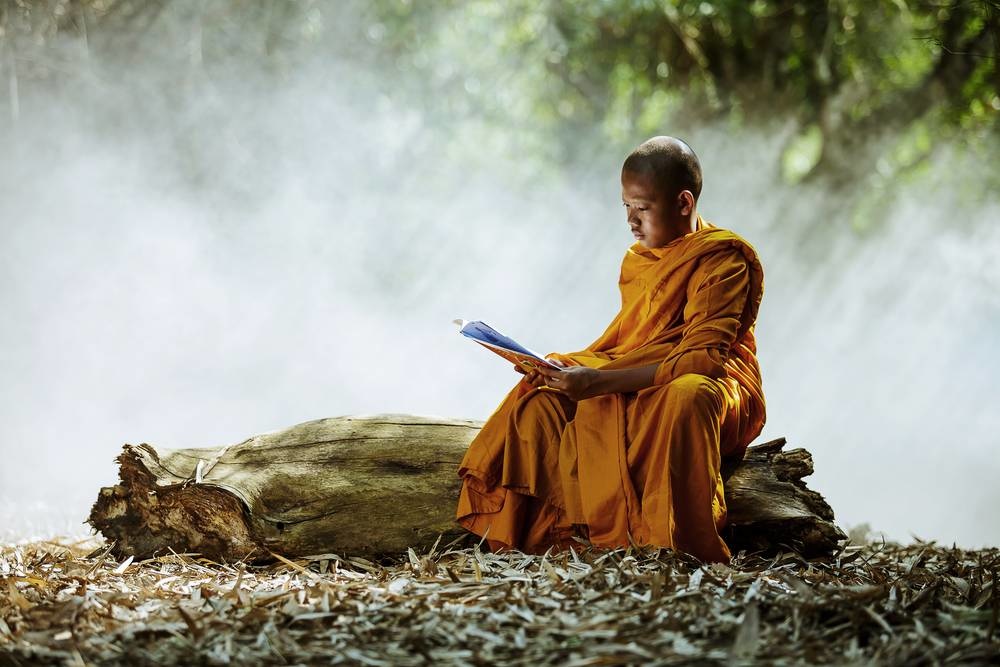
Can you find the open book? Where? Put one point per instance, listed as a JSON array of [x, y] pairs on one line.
[[505, 346]]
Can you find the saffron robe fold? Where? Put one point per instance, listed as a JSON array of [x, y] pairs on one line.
[[640, 467]]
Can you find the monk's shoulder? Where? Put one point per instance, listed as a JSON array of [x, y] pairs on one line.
[[720, 242], [721, 235], [725, 253]]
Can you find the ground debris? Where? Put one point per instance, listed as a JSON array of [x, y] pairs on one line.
[[67, 602]]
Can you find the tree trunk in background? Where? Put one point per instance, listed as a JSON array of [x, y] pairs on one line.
[[375, 485]]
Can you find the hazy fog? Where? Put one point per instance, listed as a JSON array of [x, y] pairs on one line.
[[246, 253]]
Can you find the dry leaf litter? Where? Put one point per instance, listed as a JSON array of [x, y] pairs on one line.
[[64, 603]]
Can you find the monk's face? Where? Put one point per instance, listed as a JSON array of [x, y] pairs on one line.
[[655, 219]]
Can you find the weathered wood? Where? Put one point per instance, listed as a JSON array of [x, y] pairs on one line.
[[769, 506], [375, 485]]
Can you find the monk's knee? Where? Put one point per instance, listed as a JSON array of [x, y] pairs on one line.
[[695, 393], [530, 404], [541, 406]]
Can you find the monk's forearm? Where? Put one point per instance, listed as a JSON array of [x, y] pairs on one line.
[[621, 380]]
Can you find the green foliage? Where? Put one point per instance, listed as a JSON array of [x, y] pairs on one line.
[[803, 154], [634, 68], [870, 83]]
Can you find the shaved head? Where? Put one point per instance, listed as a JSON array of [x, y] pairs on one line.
[[671, 164]]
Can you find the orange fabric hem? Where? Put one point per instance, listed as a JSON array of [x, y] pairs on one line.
[[509, 519]]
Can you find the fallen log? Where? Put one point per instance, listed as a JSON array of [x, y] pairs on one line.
[[373, 486]]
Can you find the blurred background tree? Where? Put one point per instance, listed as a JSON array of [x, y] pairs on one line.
[[859, 92]]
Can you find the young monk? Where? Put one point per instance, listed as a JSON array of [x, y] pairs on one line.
[[624, 443]]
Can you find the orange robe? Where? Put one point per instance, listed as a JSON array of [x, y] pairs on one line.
[[640, 467]]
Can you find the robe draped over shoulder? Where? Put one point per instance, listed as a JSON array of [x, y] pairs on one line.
[[689, 307]]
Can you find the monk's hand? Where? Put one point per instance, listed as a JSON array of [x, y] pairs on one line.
[[577, 382], [560, 360], [531, 376]]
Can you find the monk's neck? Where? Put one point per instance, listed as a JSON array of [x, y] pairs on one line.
[[685, 227], [696, 224]]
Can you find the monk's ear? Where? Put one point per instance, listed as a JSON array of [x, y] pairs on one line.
[[685, 202]]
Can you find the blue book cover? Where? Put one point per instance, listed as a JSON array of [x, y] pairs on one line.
[[505, 346]]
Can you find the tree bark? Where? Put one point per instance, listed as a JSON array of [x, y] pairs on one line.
[[373, 486]]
